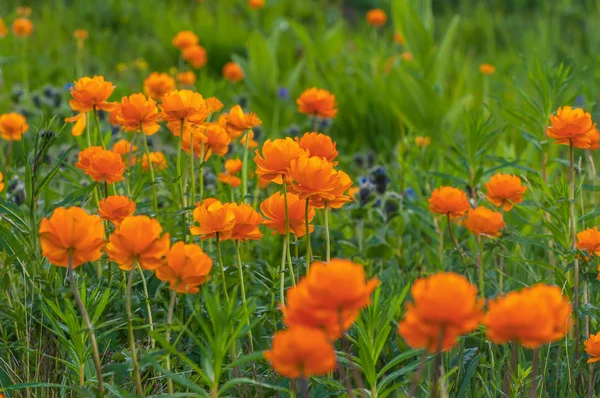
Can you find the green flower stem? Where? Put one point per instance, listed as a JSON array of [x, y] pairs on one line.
[[307, 236], [574, 244], [243, 287], [201, 172], [136, 368], [222, 266], [327, 241], [287, 231], [148, 307], [98, 128], [180, 178], [282, 271], [151, 167], [168, 334], [245, 168], [193, 172]]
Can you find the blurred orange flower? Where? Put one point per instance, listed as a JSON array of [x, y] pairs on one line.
[[71, 230], [195, 55], [444, 304], [422, 141], [249, 136], [376, 17], [214, 218], [313, 177], [187, 267], [398, 38], [317, 102], [1, 182], [138, 113], [317, 144], [158, 84], [184, 105], [532, 316], [159, 162], [89, 94], [247, 221], [101, 164], [24, 11], [233, 166], [595, 139], [3, 29], [81, 35], [186, 78], [115, 208], [22, 27], [13, 126], [256, 4], [123, 147], [487, 69], [592, 347], [237, 121], [589, 241], [449, 201], [195, 132], [273, 209], [301, 352], [229, 179], [233, 72], [483, 221], [185, 39], [276, 157], [505, 190], [138, 239], [407, 56], [571, 126]]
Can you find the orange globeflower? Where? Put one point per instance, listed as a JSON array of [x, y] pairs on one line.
[[24, 11], [22, 27], [449, 201], [317, 144], [487, 69], [185, 105], [138, 113], [407, 56], [89, 94], [273, 209], [101, 164], [1, 182], [483, 221], [313, 177], [13, 126], [340, 193], [81, 35], [186, 268], [398, 38], [214, 218], [195, 55], [589, 241], [196, 133], [187, 78], [444, 303], [217, 140], [505, 190], [233, 72], [256, 4], [237, 121], [228, 179], [246, 224], [423, 141], [233, 166], [317, 102], [276, 158], [115, 208], [595, 139], [301, 352], [249, 136], [532, 316], [376, 17], [571, 126], [71, 230], [158, 84], [592, 347], [159, 162], [3, 29], [123, 147], [185, 39]]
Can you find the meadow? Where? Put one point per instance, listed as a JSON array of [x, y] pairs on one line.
[[277, 198]]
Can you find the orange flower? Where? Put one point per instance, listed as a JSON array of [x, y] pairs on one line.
[[159, 162], [595, 139], [185, 39], [138, 113], [483, 221], [263, 183], [195, 55], [571, 126], [407, 56], [249, 136], [89, 94], [301, 352], [317, 144], [186, 268], [246, 224], [233, 166], [276, 158], [74, 231], [115, 208], [217, 140], [273, 209], [505, 190], [81, 35], [376, 17], [138, 239], [314, 177], [449, 201], [229, 179], [158, 84], [185, 105], [233, 72], [256, 4], [24, 11], [196, 133], [3, 29], [487, 69], [444, 303], [214, 218], [317, 102], [398, 38], [592, 347], [123, 147], [186, 78], [1, 182], [13, 126], [22, 27], [589, 241], [101, 164], [423, 141], [237, 121], [532, 316], [339, 192]]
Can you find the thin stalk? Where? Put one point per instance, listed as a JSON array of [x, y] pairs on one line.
[[168, 334], [148, 308], [417, 376], [437, 363], [222, 266], [136, 368], [574, 243], [307, 236], [151, 167], [245, 168], [304, 387], [480, 265], [202, 172], [534, 373], [287, 231], [243, 287], [88, 324], [458, 248], [192, 169], [501, 260], [98, 127], [282, 272], [180, 179], [512, 369], [327, 241], [346, 346]]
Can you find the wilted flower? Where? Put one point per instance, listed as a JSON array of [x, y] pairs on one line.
[[449, 201], [276, 158], [317, 102], [213, 218], [376, 17], [505, 190], [592, 347], [321, 145], [101, 164], [571, 126], [233, 72], [138, 113], [487, 69], [195, 55], [115, 208], [158, 84], [187, 267], [71, 231], [12, 126], [22, 27], [483, 221], [273, 209], [185, 39]]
